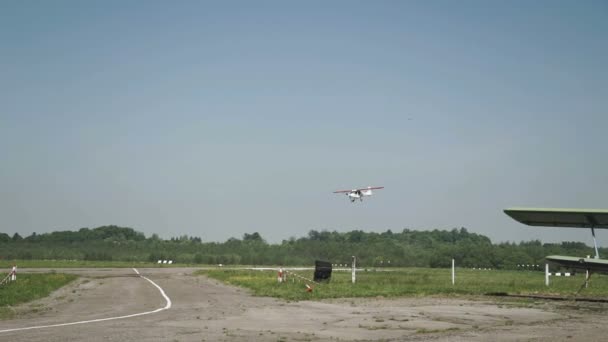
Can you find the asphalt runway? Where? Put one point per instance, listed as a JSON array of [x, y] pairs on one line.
[[170, 304]]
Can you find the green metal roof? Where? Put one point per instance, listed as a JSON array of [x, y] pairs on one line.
[[556, 217]]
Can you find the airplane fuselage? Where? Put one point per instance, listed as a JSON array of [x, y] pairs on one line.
[[358, 193]]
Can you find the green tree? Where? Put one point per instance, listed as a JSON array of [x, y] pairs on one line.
[[17, 237]]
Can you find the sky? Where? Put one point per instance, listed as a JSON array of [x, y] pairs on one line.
[[219, 118]]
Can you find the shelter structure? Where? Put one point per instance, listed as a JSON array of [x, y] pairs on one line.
[[569, 218]]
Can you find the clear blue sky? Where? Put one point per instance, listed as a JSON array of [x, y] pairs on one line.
[[216, 119]]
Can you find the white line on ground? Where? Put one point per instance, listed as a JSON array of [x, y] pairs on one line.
[[162, 292]]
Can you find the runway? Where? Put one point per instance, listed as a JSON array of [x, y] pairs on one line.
[[120, 305], [97, 320]]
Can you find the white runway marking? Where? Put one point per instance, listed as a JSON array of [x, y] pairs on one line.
[[162, 292]]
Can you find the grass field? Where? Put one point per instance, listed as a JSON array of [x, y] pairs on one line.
[[29, 287], [411, 282]]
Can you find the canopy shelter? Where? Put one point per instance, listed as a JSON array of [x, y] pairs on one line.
[[572, 218], [549, 217]]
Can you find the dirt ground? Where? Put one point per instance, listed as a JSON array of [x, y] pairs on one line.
[[206, 310]]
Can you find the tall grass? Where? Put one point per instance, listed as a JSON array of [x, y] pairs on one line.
[[411, 282]]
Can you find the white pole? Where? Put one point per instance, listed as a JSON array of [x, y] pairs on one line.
[[586, 278], [354, 266], [547, 274], [453, 273]]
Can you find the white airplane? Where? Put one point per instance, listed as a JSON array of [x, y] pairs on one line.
[[358, 193]]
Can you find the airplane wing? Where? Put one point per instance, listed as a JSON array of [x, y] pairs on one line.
[[551, 217], [361, 189], [372, 188], [597, 265]]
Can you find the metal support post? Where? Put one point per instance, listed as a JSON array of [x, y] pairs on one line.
[[597, 254]]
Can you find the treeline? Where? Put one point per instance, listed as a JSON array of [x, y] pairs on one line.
[[434, 248]]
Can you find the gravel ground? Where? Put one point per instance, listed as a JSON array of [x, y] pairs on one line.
[[206, 310]]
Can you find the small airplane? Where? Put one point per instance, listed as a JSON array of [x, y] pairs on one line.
[[572, 218], [358, 193]]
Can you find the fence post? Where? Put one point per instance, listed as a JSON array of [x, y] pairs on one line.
[[453, 273], [547, 274], [354, 266]]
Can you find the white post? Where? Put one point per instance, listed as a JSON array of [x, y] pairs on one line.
[[354, 266], [453, 273], [547, 274], [586, 278]]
